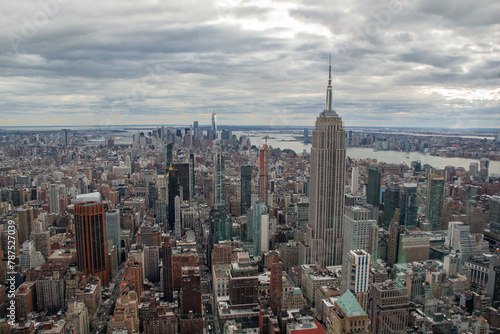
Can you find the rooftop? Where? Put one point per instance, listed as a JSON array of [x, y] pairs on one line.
[[309, 327], [349, 304]]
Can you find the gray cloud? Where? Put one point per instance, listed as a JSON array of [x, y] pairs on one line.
[[394, 63]]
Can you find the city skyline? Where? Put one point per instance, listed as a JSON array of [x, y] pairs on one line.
[[256, 62]]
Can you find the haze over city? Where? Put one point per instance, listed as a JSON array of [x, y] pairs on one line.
[[394, 63]]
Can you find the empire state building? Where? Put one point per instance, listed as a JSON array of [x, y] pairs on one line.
[[323, 242]]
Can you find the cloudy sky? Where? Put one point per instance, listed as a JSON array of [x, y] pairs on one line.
[[421, 63]]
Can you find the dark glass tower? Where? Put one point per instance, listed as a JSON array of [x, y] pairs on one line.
[[168, 154], [184, 181], [391, 203], [246, 188], [409, 207], [373, 189], [435, 198], [173, 191], [191, 177]]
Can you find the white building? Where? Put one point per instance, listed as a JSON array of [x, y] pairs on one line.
[[357, 276], [30, 257]]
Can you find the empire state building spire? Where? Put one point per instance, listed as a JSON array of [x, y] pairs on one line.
[[324, 233], [329, 99]]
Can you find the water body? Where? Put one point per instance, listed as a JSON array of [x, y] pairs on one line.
[[430, 135], [396, 157], [288, 141]]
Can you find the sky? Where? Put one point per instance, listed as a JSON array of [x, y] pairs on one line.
[[421, 63]]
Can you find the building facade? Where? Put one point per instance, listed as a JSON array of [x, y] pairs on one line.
[[90, 229], [389, 308], [326, 203]]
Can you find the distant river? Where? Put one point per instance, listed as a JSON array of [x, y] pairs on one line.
[[288, 141], [407, 157]]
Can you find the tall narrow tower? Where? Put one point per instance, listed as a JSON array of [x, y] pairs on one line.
[[219, 180], [326, 208], [246, 188], [214, 125], [168, 284], [357, 277], [191, 178], [276, 286], [435, 198], [263, 173]]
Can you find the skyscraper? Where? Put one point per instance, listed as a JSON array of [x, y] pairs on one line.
[[114, 231], [196, 130], [408, 217], [435, 198], [90, 228], [64, 137], [152, 263], [191, 178], [219, 180], [484, 164], [246, 188], [173, 191], [220, 227], [25, 223], [306, 140], [393, 239], [169, 148], [356, 277], [373, 188], [54, 198], [178, 227], [258, 223], [357, 227], [473, 169], [494, 202], [493, 285], [354, 179], [168, 280], [276, 286], [326, 208], [302, 209], [263, 174], [391, 203], [183, 175], [214, 126]]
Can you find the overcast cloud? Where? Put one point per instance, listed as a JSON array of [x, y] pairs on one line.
[[394, 63]]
